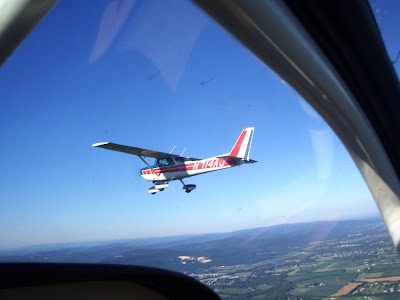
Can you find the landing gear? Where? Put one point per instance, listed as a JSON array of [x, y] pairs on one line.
[[158, 186], [153, 190], [188, 187]]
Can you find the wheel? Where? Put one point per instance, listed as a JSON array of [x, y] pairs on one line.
[[188, 191]]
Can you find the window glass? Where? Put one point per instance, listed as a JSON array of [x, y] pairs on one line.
[[386, 14], [162, 162], [179, 160], [298, 223]]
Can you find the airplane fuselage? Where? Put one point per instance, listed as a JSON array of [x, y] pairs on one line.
[[168, 167], [187, 169]]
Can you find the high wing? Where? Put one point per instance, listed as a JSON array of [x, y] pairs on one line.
[[135, 150]]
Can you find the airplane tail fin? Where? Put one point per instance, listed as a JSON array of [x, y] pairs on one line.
[[242, 147]]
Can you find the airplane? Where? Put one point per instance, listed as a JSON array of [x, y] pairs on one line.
[[168, 167]]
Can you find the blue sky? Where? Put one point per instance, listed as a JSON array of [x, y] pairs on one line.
[[108, 72]]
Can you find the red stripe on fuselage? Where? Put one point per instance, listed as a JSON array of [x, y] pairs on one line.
[[169, 169], [196, 165]]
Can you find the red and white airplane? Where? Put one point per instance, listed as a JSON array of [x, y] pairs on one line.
[[168, 167]]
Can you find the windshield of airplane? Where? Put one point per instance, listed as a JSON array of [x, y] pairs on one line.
[[299, 223], [164, 162]]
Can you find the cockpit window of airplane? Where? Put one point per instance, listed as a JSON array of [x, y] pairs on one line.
[[180, 160], [258, 199], [163, 162]]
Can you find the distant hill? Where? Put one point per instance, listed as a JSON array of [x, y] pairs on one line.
[[241, 247], [244, 246]]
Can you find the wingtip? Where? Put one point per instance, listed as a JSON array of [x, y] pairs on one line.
[[99, 144]]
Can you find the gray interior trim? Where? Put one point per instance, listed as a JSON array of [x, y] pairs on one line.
[[17, 19]]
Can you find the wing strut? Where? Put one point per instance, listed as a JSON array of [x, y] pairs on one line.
[[151, 168], [145, 161]]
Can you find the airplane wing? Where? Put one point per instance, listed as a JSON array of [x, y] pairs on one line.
[[135, 150]]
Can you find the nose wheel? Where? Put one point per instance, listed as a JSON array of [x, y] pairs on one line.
[[188, 187]]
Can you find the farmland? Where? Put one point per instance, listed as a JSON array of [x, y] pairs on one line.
[[352, 259]]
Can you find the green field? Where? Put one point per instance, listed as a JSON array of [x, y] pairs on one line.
[[264, 287], [369, 275], [315, 272]]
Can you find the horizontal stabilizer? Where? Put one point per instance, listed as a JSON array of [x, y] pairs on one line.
[[230, 158], [250, 161]]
